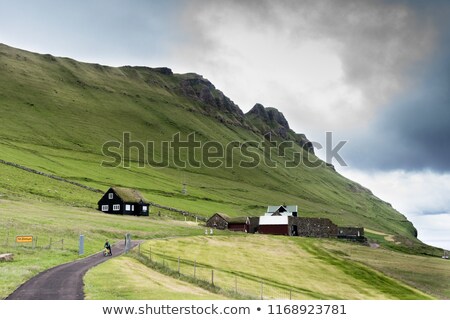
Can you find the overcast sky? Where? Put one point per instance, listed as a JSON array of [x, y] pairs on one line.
[[375, 73]]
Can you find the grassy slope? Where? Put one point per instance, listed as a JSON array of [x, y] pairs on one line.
[[316, 265], [431, 275], [60, 112], [126, 279], [300, 267]]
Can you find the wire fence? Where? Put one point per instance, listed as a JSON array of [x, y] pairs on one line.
[[32, 242], [233, 283]]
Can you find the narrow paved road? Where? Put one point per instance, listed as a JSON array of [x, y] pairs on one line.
[[64, 282]]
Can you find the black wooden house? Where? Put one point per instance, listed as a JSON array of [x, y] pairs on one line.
[[118, 200]]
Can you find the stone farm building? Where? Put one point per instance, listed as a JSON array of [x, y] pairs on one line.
[[118, 200], [283, 220], [218, 221], [223, 222]]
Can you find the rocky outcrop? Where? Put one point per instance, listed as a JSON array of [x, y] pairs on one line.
[[164, 70], [271, 121], [303, 142], [270, 116], [198, 88]]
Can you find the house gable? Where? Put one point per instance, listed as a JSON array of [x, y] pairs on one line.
[[218, 221], [282, 211]]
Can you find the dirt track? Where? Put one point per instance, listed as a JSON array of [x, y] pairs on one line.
[[64, 282]]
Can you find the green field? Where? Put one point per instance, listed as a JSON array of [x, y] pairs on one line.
[[296, 266], [290, 268], [125, 279]]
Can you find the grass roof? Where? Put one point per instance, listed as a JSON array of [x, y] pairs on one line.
[[237, 220], [129, 195]]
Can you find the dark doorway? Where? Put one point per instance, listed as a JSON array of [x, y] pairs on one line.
[[294, 230]]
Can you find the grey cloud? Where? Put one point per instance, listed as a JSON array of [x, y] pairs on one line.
[[413, 131], [377, 41], [395, 52]]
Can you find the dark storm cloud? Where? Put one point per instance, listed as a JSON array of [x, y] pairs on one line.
[[413, 131]]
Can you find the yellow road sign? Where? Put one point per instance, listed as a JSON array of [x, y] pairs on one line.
[[24, 239]]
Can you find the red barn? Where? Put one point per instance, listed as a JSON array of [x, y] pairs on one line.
[[238, 224], [274, 225]]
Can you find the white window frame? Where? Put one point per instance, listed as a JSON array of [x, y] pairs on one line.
[[144, 208], [127, 207], [110, 196], [105, 207], [116, 207]]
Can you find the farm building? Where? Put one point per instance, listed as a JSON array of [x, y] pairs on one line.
[[118, 200], [282, 211], [218, 221], [252, 224], [238, 224], [283, 220], [223, 221], [278, 225]]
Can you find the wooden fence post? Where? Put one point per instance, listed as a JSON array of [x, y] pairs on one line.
[[178, 265], [195, 269], [262, 296], [212, 277]]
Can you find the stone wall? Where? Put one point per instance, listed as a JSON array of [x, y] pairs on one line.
[[350, 232], [314, 227]]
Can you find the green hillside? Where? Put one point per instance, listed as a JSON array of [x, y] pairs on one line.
[[57, 113]]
